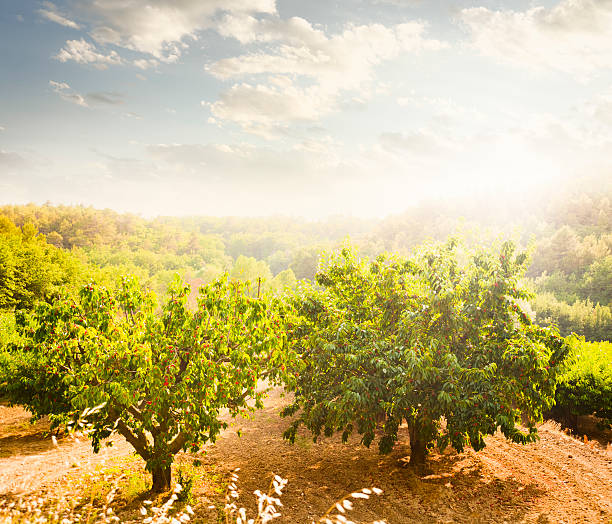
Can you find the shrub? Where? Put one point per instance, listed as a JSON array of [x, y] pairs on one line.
[[585, 386]]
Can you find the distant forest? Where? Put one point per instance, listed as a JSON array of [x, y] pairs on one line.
[[43, 247]]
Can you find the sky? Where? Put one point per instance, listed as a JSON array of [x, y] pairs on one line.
[[326, 107]]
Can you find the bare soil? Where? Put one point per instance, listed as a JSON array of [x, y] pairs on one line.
[[559, 479]]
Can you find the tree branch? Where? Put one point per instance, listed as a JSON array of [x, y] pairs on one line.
[[177, 443], [138, 441]]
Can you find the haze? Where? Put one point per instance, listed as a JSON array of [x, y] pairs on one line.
[[310, 109]]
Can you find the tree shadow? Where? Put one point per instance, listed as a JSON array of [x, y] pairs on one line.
[[454, 488], [459, 490], [25, 444]]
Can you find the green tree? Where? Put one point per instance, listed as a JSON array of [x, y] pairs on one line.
[[598, 281], [31, 269], [284, 281], [248, 269], [423, 340], [305, 261], [159, 379]]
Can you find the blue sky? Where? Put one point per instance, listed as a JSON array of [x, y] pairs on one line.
[[257, 107]]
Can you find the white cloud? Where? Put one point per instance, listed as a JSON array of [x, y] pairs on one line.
[[442, 108], [2, 128], [144, 63], [51, 13], [269, 104], [105, 97], [82, 52], [67, 93], [598, 110], [399, 3], [574, 36], [306, 71], [233, 179], [422, 143], [159, 27]]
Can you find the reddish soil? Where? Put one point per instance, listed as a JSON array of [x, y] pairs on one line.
[[558, 480]]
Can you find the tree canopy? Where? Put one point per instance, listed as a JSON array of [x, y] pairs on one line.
[[158, 377], [438, 340]]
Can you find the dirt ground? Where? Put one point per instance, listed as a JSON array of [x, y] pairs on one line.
[[560, 479]]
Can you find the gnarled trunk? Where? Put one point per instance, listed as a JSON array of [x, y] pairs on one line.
[[161, 479]]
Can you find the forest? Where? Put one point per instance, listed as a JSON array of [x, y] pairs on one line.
[[569, 239]]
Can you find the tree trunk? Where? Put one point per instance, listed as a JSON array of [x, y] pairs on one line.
[[162, 477], [418, 448]]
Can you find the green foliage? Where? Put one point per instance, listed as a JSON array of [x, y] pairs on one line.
[[250, 269], [30, 268], [9, 335], [592, 321], [159, 377], [437, 336], [305, 261], [185, 477], [572, 255], [598, 281], [585, 386]]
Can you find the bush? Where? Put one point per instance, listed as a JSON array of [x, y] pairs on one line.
[[585, 386]]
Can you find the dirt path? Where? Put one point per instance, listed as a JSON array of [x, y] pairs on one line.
[[30, 460], [557, 480]]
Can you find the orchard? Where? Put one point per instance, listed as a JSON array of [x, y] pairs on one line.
[[438, 341]]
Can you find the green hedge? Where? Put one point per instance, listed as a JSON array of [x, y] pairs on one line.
[[585, 387]]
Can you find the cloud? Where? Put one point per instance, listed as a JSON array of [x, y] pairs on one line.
[[82, 52], [574, 36], [145, 63], [105, 97], [99, 98], [421, 143], [2, 128], [444, 110], [50, 13], [160, 27], [598, 110], [272, 104], [303, 72], [399, 3], [67, 93]]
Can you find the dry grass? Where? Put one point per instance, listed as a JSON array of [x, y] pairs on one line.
[[117, 493]]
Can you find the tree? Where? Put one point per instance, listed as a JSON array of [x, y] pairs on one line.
[[598, 281], [159, 379], [284, 281], [248, 268], [425, 340], [304, 264], [30, 268]]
